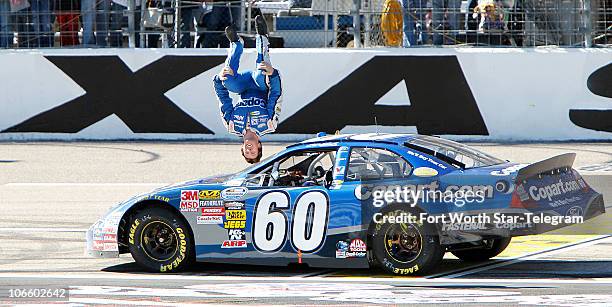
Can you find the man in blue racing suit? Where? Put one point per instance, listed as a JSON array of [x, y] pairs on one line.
[[260, 92]]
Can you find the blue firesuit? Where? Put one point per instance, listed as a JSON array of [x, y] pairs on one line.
[[260, 97]]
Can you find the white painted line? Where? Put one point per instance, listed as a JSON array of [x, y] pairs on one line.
[[531, 256], [201, 278], [81, 184], [41, 230]]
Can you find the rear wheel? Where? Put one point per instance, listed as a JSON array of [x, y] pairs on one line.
[[485, 253], [406, 248], [160, 241]]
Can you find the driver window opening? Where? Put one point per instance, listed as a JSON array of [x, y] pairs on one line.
[[375, 164], [298, 169]]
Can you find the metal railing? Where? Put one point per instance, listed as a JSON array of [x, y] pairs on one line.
[[305, 23]]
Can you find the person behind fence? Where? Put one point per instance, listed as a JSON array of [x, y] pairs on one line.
[[414, 22], [260, 92], [439, 28], [6, 33], [101, 23], [491, 16], [67, 16]]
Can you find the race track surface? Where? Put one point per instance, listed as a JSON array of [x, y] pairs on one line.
[[50, 193]]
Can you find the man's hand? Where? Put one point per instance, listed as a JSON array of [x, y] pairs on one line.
[[224, 72], [267, 68], [271, 125]]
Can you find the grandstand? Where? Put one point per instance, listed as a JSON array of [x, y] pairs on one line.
[[306, 23]]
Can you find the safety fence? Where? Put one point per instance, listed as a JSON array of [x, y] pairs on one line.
[[305, 23]]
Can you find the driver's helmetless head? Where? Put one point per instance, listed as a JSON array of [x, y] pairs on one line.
[[251, 148]]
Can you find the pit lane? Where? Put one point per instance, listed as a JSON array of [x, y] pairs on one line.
[[51, 192]]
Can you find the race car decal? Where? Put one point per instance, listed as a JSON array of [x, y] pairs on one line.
[[308, 226]]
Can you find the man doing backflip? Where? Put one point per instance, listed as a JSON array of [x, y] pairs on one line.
[[260, 92]]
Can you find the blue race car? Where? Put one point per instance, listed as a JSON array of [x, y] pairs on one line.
[[397, 201]]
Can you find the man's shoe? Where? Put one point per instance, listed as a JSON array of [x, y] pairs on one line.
[[260, 25], [230, 32]]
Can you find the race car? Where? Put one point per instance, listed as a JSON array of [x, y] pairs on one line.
[[396, 201]]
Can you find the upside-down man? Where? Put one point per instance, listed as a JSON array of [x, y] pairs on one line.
[[260, 92]]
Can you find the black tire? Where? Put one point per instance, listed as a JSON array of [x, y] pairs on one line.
[[405, 249], [482, 254], [159, 241]]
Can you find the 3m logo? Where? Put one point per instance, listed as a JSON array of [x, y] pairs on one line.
[[210, 194], [235, 215], [234, 244], [189, 195]]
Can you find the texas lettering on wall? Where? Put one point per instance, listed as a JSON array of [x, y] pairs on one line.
[[137, 98], [599, 83]]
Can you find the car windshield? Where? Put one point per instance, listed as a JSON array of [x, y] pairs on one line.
[[451, 152]]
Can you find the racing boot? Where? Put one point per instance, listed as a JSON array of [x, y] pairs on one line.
[[230, 32], [262, 45], [260, 25]]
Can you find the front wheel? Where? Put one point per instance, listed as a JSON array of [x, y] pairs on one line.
[[485, 253], [406, 248], [160, 241]]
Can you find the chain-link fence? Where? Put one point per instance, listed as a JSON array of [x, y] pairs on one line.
[[305, 23]]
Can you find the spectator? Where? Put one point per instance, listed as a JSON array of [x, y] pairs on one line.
[[67, 15], [188, 14], [23, 23], [222, 14], [414, 22], [6, 34], [41, 23], [552, 22], [453, 9], [100, 16]]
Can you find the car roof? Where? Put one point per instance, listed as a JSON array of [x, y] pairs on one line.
[[383, 138]]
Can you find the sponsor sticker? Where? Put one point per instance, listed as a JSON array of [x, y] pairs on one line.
[[236, 234], [209, 194], [235, 215], [234, 224], [234, 205], [234, 193], [189, 206], [209, 220], [189, 201], [213, 211], [357, 245], [234, 244], [211, 203], [574, 211], [354, 250]]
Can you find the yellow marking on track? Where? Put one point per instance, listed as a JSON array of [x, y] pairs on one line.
[[530, 244]]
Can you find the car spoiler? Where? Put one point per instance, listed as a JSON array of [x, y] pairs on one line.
[[550, 164]]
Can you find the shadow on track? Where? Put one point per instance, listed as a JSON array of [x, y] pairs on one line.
[[530, 269]]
